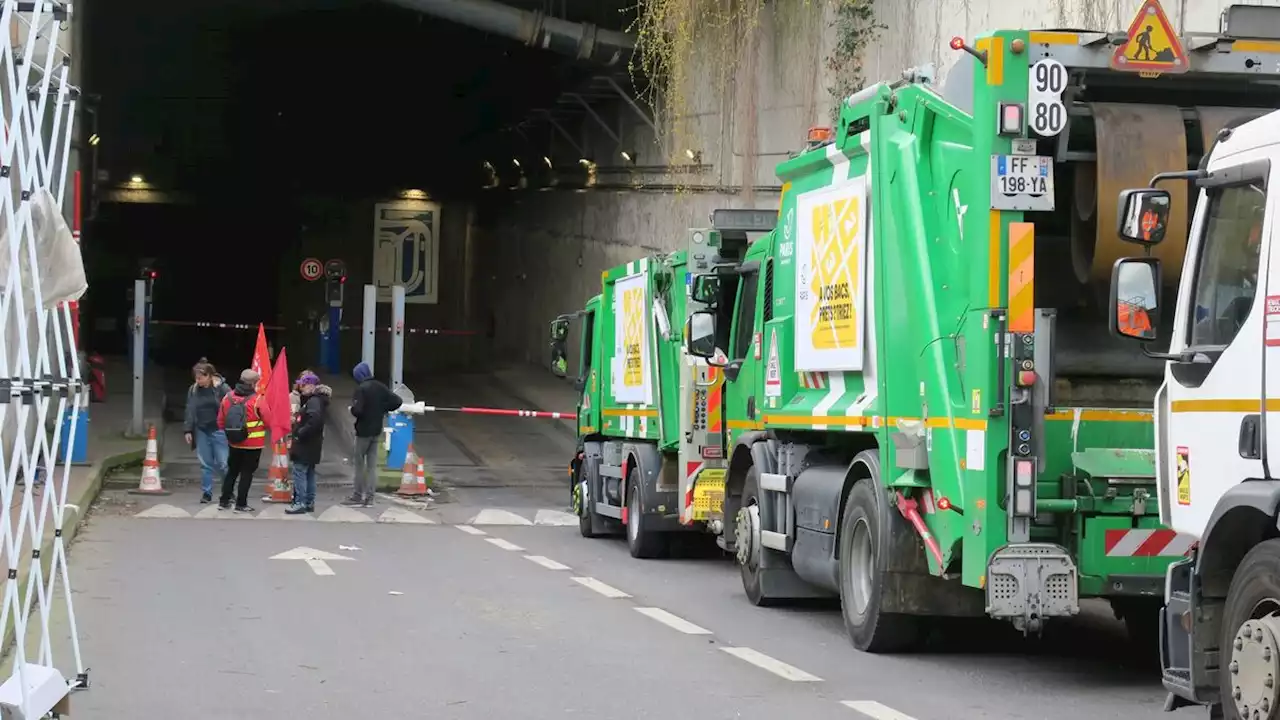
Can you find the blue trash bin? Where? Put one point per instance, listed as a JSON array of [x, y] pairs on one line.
[[80, 450], [401, 437]]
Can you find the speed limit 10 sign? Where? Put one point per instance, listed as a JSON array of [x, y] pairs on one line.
[[311, 269]]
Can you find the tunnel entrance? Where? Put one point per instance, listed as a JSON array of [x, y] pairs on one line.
[[235, 145]]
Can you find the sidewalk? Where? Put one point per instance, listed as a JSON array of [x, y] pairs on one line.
[[108, 449]]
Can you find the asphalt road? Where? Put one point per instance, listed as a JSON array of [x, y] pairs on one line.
[[512, 616], [195, 620]]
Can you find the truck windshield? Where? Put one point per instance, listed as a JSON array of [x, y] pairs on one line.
[[1227, 268]]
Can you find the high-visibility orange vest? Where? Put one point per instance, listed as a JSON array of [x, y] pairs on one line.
[[253, 423], [1134, 318]]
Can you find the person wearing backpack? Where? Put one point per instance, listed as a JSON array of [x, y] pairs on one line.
[[244, 417], [200, 425], [371, 401], [308, 441]]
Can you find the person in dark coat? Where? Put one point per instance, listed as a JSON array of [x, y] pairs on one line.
[[371, 401], [200, 425], [308, 441]]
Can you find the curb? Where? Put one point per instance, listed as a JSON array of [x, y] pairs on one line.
[[70, 528]]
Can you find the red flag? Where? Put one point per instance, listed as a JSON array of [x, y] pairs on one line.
[[279, 412], [261, 361]]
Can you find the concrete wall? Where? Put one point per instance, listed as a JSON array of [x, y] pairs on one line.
[[543, 252]]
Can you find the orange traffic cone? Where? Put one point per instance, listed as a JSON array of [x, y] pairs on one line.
[[281, 489], [412, 480], [150, 484]]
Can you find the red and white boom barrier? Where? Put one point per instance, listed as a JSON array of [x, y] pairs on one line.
[[417, 408]]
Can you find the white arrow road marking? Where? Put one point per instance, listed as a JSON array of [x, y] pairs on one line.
[[317, 560]]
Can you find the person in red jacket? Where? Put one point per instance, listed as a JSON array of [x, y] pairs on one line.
[[243, 417]]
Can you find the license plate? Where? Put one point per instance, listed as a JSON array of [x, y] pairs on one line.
[[1021, 182], [1023, 175]]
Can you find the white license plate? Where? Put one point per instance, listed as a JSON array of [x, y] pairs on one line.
[[1024, 175]]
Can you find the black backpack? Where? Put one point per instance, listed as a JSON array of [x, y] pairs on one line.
[[235, 424]]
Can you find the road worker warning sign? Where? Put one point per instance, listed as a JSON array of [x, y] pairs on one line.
[[831, 250], [1152, 46], [1184, 476], [631, 347], [773, 371]]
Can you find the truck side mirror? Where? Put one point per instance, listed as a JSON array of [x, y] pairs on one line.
[[706, 288], [700, 340], [559, 329], [559, 359], [1135, 298], [1143, 216]]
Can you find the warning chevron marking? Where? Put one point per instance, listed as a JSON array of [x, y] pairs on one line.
[[773, 371]]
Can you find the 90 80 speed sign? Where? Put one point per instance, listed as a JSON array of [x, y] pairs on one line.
[[1021, 182]]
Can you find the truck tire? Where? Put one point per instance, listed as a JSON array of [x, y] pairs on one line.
[[1254, 594], [751, 584], [642, 542], [864, 531]]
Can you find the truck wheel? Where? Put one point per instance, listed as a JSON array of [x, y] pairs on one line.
[[1251, 635], [862, 575], [747, 540], [641, 542]]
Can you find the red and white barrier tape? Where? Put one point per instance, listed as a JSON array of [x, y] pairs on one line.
[[253, 326], [501, 411]]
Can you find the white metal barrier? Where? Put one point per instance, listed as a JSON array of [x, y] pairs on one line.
[[40, 384]]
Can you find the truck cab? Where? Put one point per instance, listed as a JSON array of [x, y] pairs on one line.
[[1216, 436]]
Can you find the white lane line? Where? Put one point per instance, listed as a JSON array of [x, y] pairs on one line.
[[777, 667], [673, 621], [471, 530], [503, 544], [545, 562], [873, 709], [606, 590]]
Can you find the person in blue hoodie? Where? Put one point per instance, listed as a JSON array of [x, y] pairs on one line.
[[370, 403], [200, 425]]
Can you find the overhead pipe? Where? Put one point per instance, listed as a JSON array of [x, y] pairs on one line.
[[534, 28]]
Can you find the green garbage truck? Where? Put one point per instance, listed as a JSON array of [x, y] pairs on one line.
[[919, 408]]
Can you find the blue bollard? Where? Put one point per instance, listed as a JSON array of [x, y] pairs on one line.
[[80, 450], [401, 438]]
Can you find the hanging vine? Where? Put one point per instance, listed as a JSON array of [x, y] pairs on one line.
[[856, 28], [691, 53]]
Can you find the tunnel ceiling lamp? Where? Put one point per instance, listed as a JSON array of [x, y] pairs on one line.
[[94, 139], [628, 156], [695, 156], [585, 162], [136, 179], [546, 160], [515, 161], [414, 194]]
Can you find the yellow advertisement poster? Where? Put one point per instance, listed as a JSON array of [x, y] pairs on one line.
[[630, 364], [633, 337], [831, 249]]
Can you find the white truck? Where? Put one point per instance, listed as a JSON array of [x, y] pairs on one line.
[[1217, 443]]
